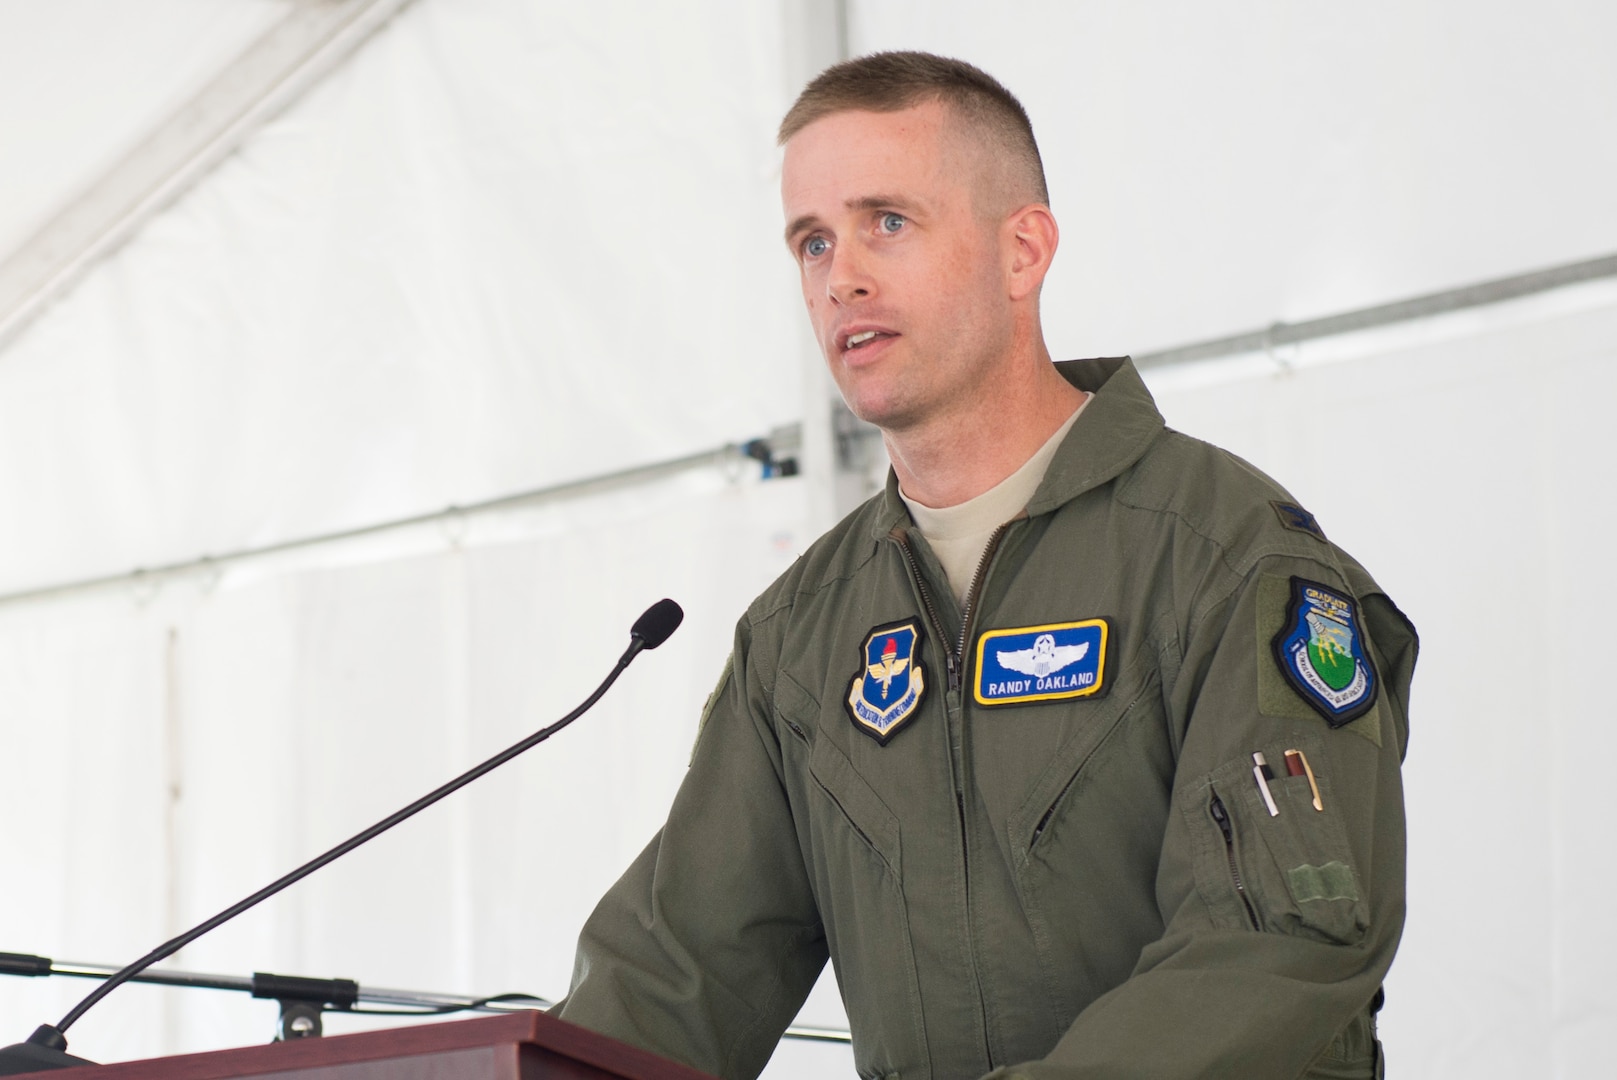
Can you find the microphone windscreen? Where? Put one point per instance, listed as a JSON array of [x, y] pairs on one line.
[[660, 620]]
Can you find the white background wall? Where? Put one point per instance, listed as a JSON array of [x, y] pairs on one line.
[[511, 244]]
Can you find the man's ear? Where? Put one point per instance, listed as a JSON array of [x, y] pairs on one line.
[[1030, 237]]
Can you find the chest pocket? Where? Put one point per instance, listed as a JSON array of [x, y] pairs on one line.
[[1086, 843], [852, 847]]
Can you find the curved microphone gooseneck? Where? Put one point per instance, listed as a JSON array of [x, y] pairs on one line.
[[45, 1048]]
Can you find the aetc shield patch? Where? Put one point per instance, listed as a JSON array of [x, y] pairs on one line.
[[888, 688], [1320, 649], [1041, 663]]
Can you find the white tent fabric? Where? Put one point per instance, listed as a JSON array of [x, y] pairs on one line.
[[1218, 167], [507, 245], [511, 244], [216, 731], [83, 80]]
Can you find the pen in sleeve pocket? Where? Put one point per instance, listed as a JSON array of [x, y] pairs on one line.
[[1297, 765], [1261, 773]]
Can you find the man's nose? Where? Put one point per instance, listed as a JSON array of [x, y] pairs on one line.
[[849, 278]]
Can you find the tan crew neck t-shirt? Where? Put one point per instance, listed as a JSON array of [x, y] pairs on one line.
[[959, 534]]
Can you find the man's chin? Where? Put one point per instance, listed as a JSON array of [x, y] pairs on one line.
[[886, 413], [880, 396]]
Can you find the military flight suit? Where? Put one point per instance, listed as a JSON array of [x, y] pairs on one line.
[[1089, 885]]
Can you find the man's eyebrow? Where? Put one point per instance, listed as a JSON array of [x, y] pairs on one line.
[[864, 202], [798, 225], [880, 202]]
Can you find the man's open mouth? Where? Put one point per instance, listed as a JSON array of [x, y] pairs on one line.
[[863, 338]]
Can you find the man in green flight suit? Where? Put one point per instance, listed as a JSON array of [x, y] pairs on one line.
[[1077, 750]]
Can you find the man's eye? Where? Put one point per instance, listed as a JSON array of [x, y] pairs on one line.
[[815, 246], [891, 223]]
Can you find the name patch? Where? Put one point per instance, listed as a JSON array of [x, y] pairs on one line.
[[890, 683], [1055, 662], [1320, 650]]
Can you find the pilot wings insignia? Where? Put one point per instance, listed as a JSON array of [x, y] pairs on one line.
[[1045, 656]]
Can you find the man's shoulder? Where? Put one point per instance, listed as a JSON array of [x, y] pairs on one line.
[[1197, 492], [1226, 502], [1251, 528], [839, 555]]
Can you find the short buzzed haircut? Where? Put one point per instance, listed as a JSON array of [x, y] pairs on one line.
[[895, 81]]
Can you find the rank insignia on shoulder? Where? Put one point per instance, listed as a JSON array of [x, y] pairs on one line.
[[1027, 664], [888, 688], [1320, 650], [1297, 519]]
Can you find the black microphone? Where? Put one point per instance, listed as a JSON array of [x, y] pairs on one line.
[[46, 1047], [657, 624]]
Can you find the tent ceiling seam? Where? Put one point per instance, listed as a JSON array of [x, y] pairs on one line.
[[1425, 306], [730, 455], [275, 70]]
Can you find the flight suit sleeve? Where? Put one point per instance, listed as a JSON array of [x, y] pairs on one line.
[[1279, 926], [707, 946]]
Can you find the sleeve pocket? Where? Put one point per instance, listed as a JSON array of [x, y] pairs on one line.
[[1295, 866]]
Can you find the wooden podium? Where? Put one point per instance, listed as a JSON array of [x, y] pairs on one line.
[[517, 1046]]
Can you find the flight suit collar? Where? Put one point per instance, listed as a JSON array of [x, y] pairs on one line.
[[1115, 431]]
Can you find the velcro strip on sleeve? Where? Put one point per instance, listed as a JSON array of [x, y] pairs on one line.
[[1333, 881]]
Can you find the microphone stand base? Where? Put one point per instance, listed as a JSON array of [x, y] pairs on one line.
[[44, 1051]]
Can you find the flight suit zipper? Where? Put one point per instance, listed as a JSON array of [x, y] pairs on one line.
[[954, 654], [1222, 817], [954, 649]]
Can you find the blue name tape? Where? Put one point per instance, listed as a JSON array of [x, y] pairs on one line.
[[1041, 663]]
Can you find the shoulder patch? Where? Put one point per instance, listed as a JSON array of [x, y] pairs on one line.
[[1320, 650], [890, 682], [1297, 519], [1025, 664], [713, 700]]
